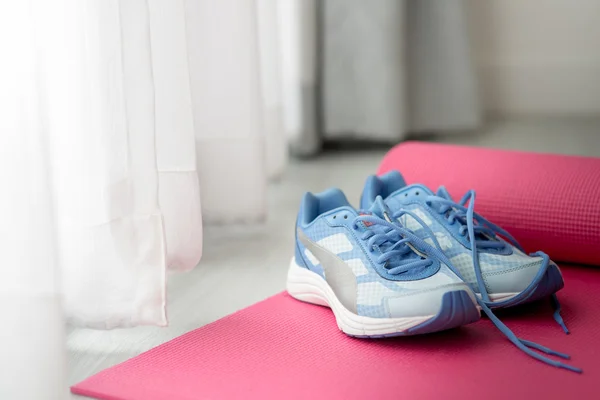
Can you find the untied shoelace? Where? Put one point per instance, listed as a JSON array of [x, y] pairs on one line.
[[393, 241], [481, 233]]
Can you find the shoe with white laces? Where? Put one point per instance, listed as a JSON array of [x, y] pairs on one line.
[[377, 277], [484, 255]]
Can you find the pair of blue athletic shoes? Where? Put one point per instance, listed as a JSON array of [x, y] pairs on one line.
[[411, 261]]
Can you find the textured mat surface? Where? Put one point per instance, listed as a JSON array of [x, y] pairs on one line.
[[548, 202], [284, 349]]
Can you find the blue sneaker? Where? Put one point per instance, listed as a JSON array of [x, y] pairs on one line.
[[378, 278], [498, 270], [484, 255]]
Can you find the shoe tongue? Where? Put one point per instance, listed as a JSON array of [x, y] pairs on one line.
[[443, 192], [380, 209]]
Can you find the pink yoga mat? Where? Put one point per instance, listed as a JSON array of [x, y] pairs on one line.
[[284, 349], [548, 202]]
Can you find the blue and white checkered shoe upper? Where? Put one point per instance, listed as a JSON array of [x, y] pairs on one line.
[[373, 289], [388, 278], [512, 261], [505, 269]]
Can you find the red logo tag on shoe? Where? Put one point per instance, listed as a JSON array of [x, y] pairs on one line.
[[366, 223]]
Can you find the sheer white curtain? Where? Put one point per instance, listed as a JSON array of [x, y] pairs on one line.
[[98, 155], [112, 247], [132, 97], [108, 104], [32, 338], [238, 91], [124, 168], [178, 186], [227, 108], [111, 111]]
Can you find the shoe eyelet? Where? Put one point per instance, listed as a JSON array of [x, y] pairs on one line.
[[345, 217], [405, 194], [334, 216], [416, 193]]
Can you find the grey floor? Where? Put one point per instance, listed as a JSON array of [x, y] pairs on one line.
[[244, 264]]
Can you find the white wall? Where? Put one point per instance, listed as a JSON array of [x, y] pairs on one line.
[[538, 56]]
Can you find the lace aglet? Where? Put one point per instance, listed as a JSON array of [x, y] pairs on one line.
[[544, 349], [527, 346], [570, 368], [562, 324], [557, 317]]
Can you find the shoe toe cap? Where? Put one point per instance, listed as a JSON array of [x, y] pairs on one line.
[[424, 302]]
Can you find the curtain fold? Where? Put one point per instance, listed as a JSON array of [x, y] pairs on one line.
[[269, 42], [391, 68], [442, 88], [364, 69], [228, 109], [111, 240], [33, 361], [178, 186], [298, 27], [112, 92]]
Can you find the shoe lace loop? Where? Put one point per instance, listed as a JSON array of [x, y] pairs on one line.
[[395, 244]]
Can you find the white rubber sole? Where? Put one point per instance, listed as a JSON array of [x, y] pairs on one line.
[[307, 286]]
